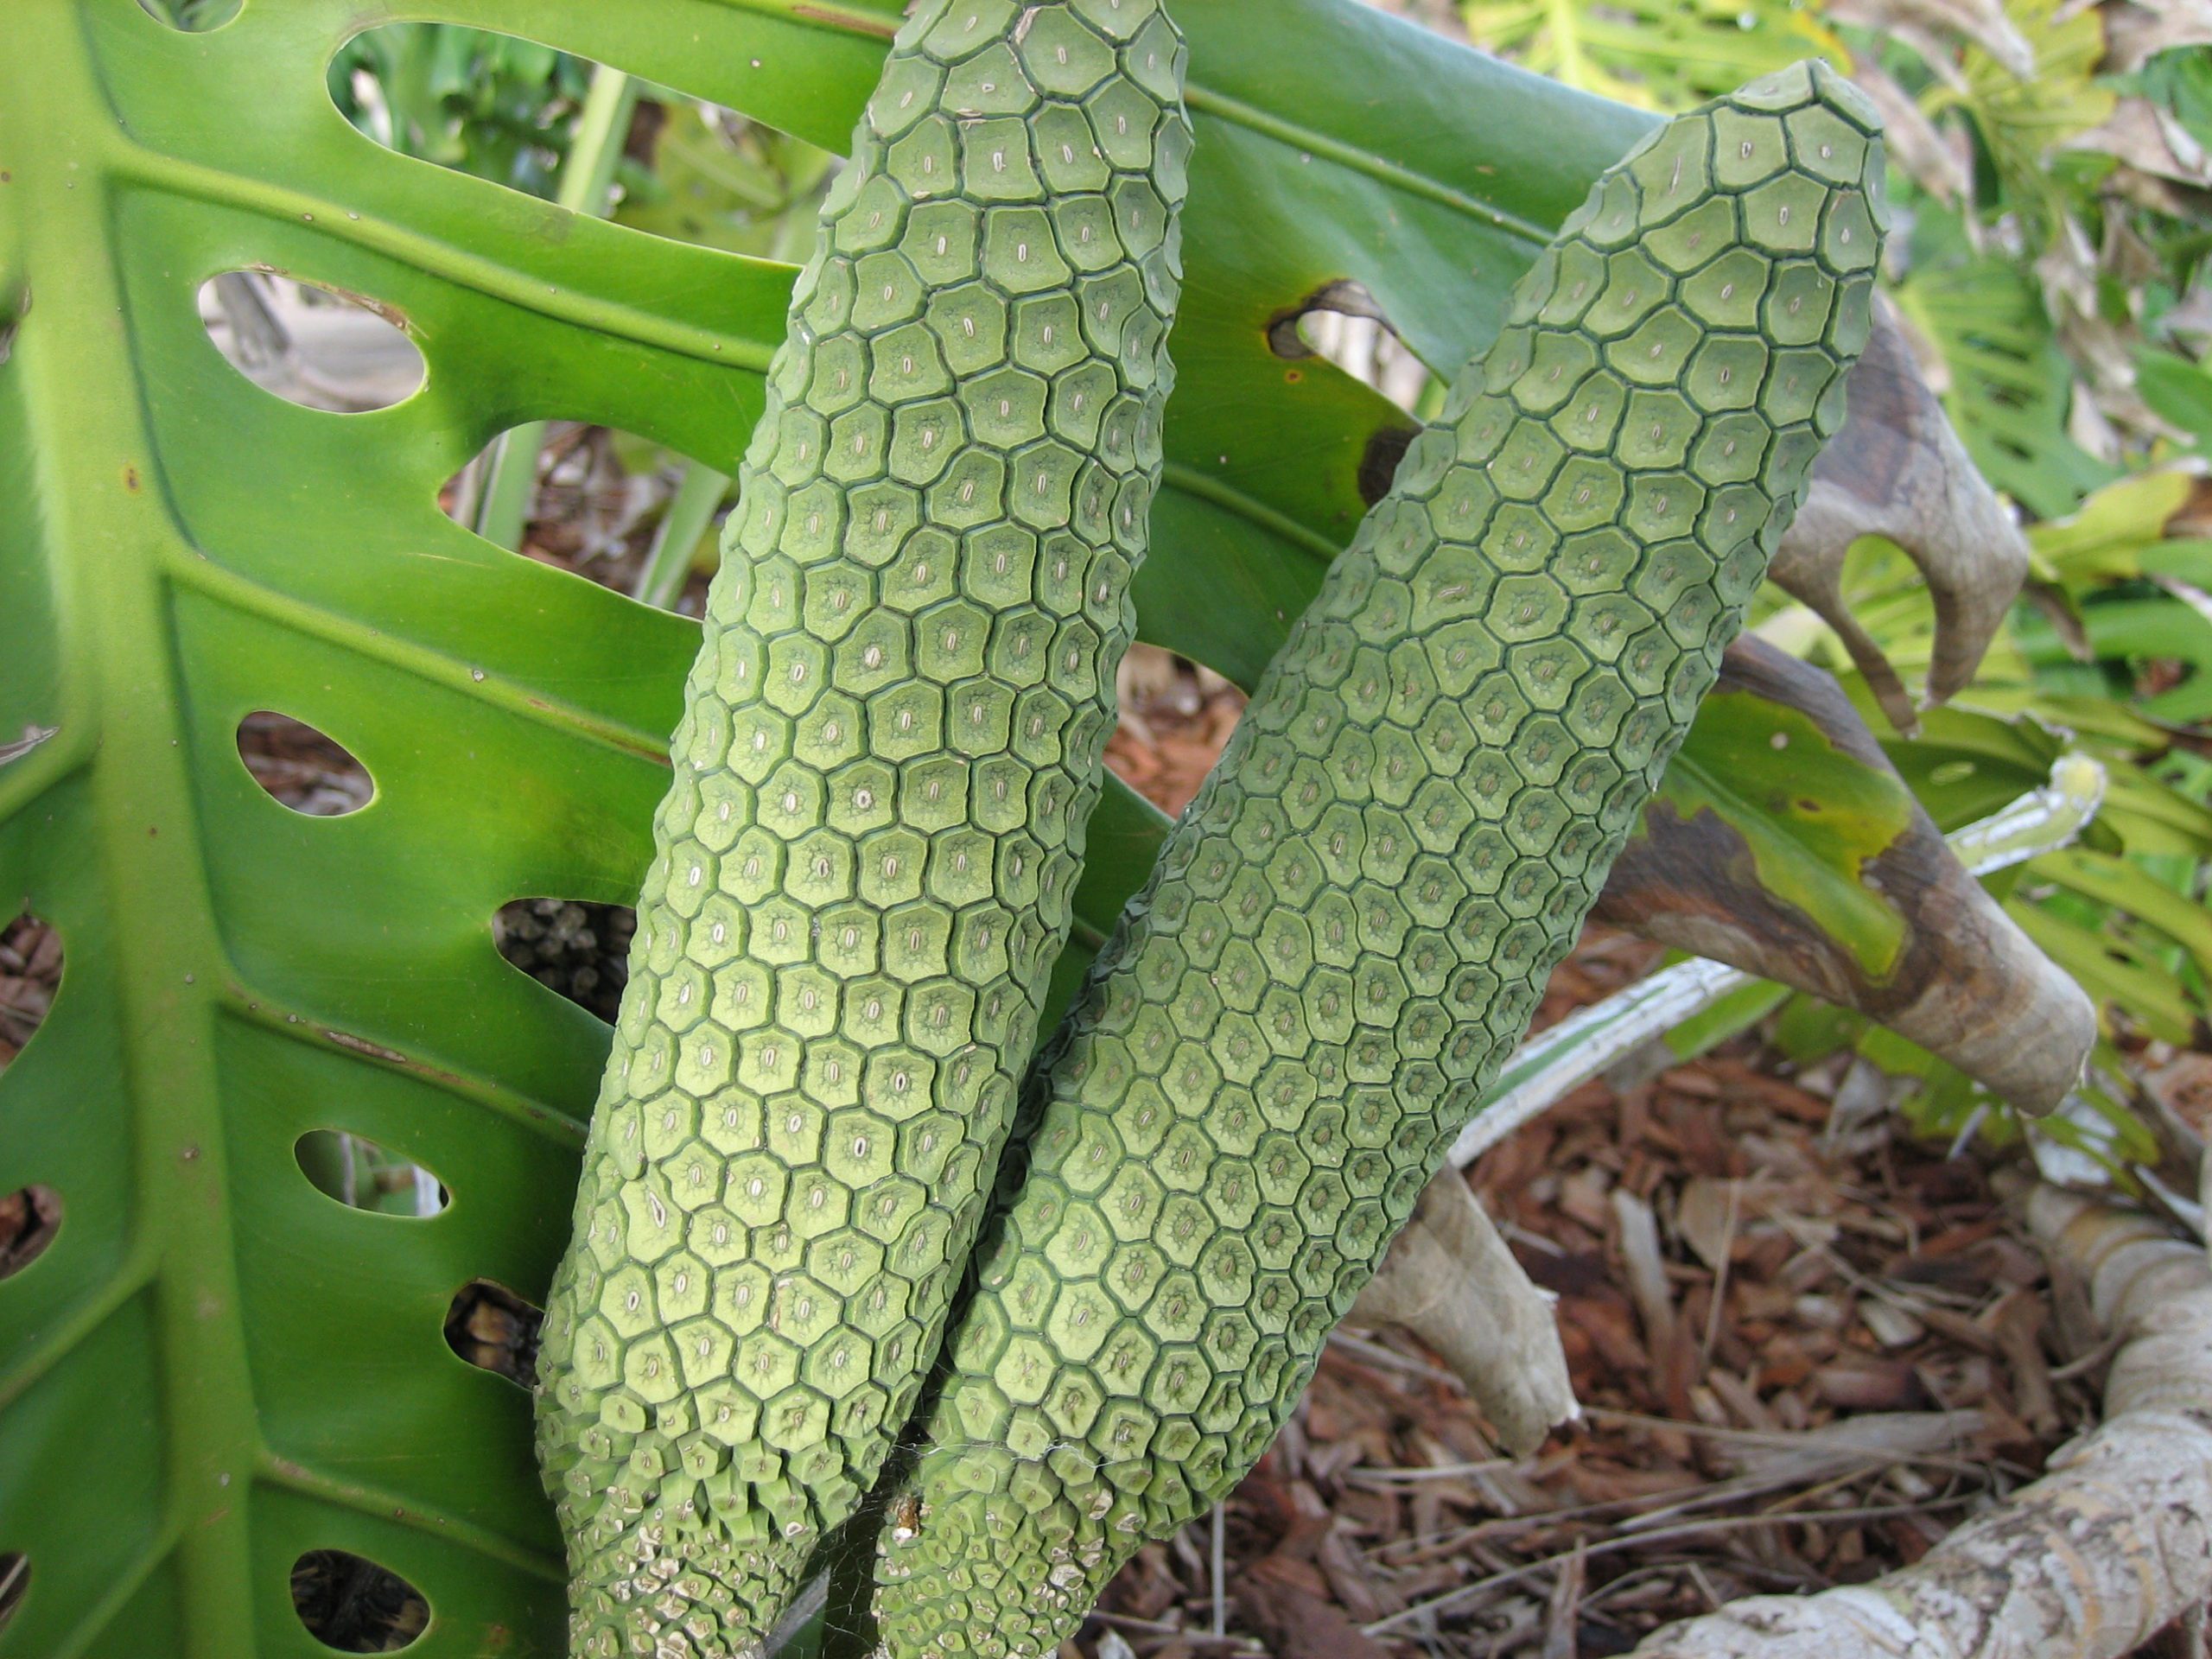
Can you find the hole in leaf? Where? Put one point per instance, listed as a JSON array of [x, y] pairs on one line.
[[30, 975], [363, 1175], [30, 1216], [495, 1330], [14, 1579], [34, 733], [1176, 716], [606, 505], [1342, 322], [492, 106], [509, 111], [580, 950], [1378, 461], [349, 1603], [301, 768], [193, 16], [318, 347], [1291, 334]]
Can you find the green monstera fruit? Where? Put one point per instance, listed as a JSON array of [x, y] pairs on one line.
[[891, 747]]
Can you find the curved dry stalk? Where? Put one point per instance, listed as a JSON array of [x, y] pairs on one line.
[[1588, 1042], [1961, 979], [2108, 1547], [1897, 469], [1452, 1280]]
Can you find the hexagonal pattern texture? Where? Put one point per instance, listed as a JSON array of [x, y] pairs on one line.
[[890, 751], [1351, 924]]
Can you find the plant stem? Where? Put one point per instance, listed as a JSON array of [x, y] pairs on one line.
[[1588, 1042], [668, 567]]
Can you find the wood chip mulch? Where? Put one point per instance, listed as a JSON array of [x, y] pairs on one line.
[[30, 973], [1840, 1348]]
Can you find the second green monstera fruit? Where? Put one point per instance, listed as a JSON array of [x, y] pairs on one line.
[[890, 750], [1350, 928]]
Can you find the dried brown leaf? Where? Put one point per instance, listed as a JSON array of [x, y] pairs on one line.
[[2138, 31], [1939, 160], [1982, 21], [1897, 469]]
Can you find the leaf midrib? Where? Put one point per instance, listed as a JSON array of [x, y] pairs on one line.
[[1397, 175], [113, 606], [125, 558]]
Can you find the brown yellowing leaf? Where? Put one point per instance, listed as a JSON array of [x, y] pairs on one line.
[[1782, 842]]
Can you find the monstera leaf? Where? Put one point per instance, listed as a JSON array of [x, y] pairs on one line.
[[221, 1392], [217, 1387]]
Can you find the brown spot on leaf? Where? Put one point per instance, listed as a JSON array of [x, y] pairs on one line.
[[1378, 465]]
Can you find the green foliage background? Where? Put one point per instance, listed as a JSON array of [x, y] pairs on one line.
[[2051, 189]]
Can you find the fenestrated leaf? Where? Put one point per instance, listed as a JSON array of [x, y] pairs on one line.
[[262, 1369], [1305, 181], [215, 1366], [2117, 972], [1782, 842]]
